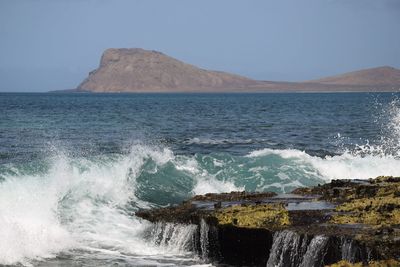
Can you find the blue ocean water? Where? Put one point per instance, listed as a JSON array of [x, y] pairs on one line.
[[74, 168]]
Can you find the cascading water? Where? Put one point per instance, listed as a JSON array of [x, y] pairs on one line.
[[315, 252], [174, 238], [347, 250], [290, 249], [86, 206], [204, 242], [351, 251], [65, 200], [287, 248], [89, 204]]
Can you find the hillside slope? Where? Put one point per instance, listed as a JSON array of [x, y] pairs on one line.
[[374, 76], [139, 70]]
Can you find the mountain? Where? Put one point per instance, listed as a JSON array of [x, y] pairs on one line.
[[375, 76], [139, 70]]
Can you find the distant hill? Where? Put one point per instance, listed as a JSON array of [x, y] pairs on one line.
[[139, 70], [374, 76]]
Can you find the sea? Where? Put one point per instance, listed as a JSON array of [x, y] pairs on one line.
[[75, 167]]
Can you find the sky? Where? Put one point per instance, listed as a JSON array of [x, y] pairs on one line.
[[54, 44]]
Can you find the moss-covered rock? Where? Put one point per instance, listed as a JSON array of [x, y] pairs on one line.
[[233, 196], [377, 211], [381, 263], [364, 213], [271, 216], [379, 208]]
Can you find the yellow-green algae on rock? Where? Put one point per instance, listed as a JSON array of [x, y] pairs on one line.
[[382, 263], [254, 216], [382, 208], [362, 212]]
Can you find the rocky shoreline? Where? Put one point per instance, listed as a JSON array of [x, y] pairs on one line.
[[342, 223]]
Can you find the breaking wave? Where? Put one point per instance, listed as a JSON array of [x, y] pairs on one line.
[[87, 204]]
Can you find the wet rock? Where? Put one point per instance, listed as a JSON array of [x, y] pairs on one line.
[[233, 196], [353, 220], [254, 216], [381, 263]]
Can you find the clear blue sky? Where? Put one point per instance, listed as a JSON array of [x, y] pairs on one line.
[[53, 44]]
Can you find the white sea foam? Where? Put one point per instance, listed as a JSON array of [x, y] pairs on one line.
[[29, 219], [88, 204], [205, 182], [283, 153], [212, 185], [345, 166], [75, 204], [189, 165], [362, 162]]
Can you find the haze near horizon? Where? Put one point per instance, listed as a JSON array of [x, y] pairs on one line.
[[50, 45]]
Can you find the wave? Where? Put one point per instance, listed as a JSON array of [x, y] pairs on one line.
[[89, 204], [86, 205], [345, 166]]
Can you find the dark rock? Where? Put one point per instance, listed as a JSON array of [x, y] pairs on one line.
[[351, 220]]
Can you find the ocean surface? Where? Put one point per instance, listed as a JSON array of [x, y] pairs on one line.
[[74, 168]]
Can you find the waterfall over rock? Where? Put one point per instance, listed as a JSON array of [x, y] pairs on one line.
[[290, 249], [286, 247], [353, 252], [204, 243], [315, 253], [174, 237]]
